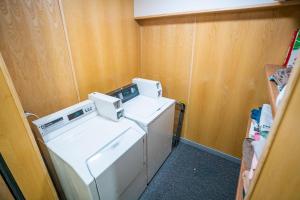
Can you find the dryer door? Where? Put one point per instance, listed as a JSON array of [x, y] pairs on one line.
[[118, 164]]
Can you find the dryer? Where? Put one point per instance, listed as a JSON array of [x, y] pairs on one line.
[[95, 157], [143, 103]]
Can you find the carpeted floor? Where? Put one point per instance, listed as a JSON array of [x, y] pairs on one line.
[[192, 174]]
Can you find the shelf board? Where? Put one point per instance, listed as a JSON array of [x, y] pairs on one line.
[[221, 10], [272, 88], [240, 187]]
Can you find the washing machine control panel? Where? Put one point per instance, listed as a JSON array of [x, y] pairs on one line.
[[126, 93], [61, 118]]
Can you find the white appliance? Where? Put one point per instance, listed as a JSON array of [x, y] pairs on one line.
[[107, 106], [95, 157], [144, 104]]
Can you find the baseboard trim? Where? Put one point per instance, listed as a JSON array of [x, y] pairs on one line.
[[211, 150]]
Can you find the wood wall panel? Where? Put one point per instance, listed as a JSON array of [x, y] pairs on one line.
[[227, 73], [104, 41], [35, 50], [166, 51], [17, 144], [166, 54]]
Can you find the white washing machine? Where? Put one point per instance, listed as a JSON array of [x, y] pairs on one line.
[[96, 157], [144, 104]]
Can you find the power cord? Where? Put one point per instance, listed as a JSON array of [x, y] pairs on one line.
[[28, 114]]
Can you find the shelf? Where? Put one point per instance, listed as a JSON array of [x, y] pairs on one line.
[[240, 187], [273, 93], [219, 10], [272, 88]]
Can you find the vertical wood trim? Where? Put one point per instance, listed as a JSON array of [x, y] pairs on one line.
[[140, 50], [60, 5], [191, 72], [25, 123], [277, 122]]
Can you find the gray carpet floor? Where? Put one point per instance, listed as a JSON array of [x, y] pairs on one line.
[[192, 174]]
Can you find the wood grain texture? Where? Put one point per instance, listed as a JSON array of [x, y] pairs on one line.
[[227, 73], [166, 55], [166, 52], [104, 41], [17, 144], [240, 187], [278, 170], [272, 88], [35, 50]]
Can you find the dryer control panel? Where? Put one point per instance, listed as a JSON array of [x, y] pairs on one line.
[[126, 93], [139, 86]]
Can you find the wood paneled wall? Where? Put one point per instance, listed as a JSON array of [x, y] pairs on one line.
[[58, 51], [35, 51], [17, 144], [104, 40], [166, 55], [215, 63]]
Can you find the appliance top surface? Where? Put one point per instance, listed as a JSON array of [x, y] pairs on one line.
[[81, 142], [144, 107], [78, 144]]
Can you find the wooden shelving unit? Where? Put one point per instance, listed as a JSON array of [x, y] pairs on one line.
[[273, 93], [272, 88], [240, 187]]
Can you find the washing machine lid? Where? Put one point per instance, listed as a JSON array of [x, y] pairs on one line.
[[145, 109], [78, 144], [105, 156]]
